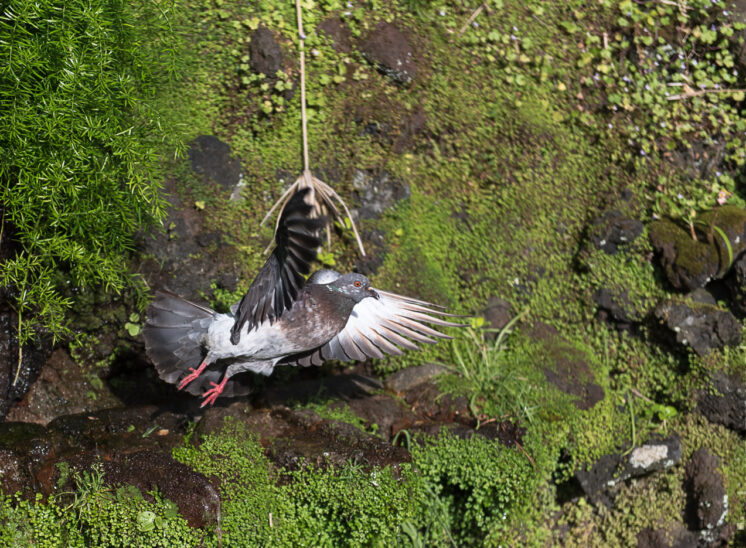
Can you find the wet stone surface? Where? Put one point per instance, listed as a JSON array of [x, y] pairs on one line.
[[62, 388]]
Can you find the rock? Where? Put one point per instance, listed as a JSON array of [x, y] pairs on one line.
[[14, 475], [265, 54], [214, 418], [377, 192], [389, 51], [121, 429], [689, 264], [211, 159], [406, 379], [736, 283], [707, 500], [497, 313], [198, 500], [567, 367], [724, 404], [598, 479], [675, 537], [375, 252], [339, 32], [16, 379], [612, 230], [700, 326], [296, 438], [433, 406], [615, 308], [62, 388], [382, 410], [346, 387]]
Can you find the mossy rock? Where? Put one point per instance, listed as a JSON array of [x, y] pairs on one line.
[[690, 263]]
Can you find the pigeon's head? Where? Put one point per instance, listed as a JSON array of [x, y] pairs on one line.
[[353, 286]]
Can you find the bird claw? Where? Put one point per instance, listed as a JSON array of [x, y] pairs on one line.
[[212, 394], [193, 375]]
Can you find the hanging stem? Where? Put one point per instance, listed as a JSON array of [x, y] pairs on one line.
[[304, 120], [20, 349]]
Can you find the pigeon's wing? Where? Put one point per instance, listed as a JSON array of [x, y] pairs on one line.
[[379, 326], [277, 284]]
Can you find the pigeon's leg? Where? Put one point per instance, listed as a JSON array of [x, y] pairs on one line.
[[212, 394], [193, 375]]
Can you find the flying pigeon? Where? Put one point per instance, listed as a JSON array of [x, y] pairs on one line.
[[284, 319]]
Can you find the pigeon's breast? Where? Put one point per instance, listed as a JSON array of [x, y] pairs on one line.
[[315, 317]]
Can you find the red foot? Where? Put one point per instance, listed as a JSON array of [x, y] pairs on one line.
[[212, 394], [193, 375]]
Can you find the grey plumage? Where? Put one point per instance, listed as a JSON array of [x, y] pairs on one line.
[[284, 320]]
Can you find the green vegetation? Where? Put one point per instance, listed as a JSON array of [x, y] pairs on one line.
[[535, 119], [82, 146], [94, 515]]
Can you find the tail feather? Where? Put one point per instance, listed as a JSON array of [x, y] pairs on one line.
[[173, 333]]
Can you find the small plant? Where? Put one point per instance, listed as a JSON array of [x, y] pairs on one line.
[[483, 365]]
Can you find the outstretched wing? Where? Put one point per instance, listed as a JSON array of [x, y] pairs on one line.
[[379, 326], [277, 284]]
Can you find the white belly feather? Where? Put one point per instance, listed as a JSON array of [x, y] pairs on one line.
[[266, 342]]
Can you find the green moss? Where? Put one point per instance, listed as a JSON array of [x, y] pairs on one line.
[[100, 517]]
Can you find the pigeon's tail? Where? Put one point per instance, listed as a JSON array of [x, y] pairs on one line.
[[174, 333]]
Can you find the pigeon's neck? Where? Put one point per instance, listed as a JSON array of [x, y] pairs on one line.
[[337, 302]]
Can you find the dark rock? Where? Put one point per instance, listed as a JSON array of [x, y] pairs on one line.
[[689, 264], [702, 296], [615, 308], [198, 500], [707, 499], [598, 479], [296, 438], [375, 252], [265, 54], [412, 125], [612, 230], [497, 313], [724, 404], [427, 401], [406, 379], [567, 367], [388, 414], [702, 327], [736, 283], [676, 537], [14, 473], [16, 378], [62, 388], [377, 192], [211, 159], [344, 387], [389, 51], [121, 429], [339, 32], [174, 259], [215, 417]]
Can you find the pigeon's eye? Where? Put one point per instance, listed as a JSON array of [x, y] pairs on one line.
[[357, 283]]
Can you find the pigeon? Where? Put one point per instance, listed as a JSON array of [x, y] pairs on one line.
[[285, 319]]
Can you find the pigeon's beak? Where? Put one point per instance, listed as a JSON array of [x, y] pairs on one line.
[[373, 293]]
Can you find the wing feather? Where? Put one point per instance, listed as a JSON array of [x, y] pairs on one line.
[[276, 286], [381, 325]]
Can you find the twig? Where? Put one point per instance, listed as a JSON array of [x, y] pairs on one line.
[[471, 19], [690, 92], [20, 350], [525, 453]]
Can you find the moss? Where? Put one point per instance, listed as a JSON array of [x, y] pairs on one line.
[[103, 516]]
